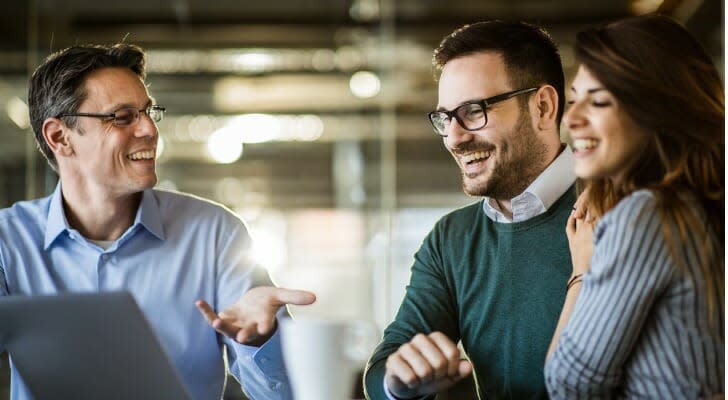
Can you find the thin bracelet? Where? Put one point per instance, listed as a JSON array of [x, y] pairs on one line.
[[574, 280]]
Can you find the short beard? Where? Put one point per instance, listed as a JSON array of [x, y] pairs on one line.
[[511, 177]]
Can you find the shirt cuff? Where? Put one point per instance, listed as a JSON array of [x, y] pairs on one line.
[[261, 369], [268, 357], [390, 396]]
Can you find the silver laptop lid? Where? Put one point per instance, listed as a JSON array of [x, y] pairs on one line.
[[86, 346]]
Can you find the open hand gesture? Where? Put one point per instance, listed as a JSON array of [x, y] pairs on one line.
[[252, 319]]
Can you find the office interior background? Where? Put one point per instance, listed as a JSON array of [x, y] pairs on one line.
[[305, 117]]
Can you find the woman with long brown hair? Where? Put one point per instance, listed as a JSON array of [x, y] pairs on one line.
[[644, 311]]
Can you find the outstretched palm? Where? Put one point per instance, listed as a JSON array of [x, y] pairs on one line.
[[252, 319]]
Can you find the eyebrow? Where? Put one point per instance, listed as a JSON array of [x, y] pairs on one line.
[[471, 101], [117, 107], [590, 91]]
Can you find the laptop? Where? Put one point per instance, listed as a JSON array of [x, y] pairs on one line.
[[87, 346]]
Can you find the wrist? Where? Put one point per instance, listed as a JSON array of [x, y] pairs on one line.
[[413, 397], [402, 392], [574, 280]]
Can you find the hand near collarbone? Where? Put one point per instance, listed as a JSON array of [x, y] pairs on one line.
[[425, 365], [252, 319], [580, 232]]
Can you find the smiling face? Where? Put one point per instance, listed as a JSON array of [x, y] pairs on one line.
[[607, 141], [116, 161], [501, 159]]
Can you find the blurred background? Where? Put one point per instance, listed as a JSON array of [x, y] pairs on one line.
[[305, 117]]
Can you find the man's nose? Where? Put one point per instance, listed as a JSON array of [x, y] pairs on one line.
[[456, 134], [145, 126]]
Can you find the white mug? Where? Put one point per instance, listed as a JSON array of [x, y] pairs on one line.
[[323, 356]]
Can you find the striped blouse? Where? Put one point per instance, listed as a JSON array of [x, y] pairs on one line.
[[640, 327]]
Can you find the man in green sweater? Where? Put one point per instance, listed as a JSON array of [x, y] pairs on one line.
[[493, 274]]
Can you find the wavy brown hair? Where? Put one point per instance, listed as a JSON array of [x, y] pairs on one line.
[[668, 85]]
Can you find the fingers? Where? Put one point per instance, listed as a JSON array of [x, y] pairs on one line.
[[399, 377], [247, 335], [427, 360], [447, 353], [464, 369], [290, 296], [420, 366], [206, 311], [219, 324], [578, 209], [588, 218], [579, 215], [251, 319], [245, 329], [570, 226]]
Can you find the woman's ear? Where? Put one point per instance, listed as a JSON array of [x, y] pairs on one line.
[[547, 105], [55, 134]]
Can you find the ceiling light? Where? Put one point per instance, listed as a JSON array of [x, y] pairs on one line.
[[256, 128], [224, 146], [254, 62], [309, 127], [364, 84], [18, 112]]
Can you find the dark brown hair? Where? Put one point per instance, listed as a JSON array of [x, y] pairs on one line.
[[666, 82], [530, 55]]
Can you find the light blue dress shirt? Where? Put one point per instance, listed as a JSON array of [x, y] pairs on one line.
[[179, 249]]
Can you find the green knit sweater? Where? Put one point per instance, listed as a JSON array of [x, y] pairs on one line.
[[497, 287]]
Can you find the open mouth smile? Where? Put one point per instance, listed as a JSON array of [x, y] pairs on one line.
[[142, 155]]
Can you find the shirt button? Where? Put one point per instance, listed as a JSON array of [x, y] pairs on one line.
[[263, 360]]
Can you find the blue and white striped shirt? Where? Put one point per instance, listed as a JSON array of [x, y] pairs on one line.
[[640, 327]]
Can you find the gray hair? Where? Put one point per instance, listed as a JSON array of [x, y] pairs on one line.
[[58, 85]]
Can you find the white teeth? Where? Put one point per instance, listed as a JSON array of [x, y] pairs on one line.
[[142, 155], [476, 156], [585, 144]]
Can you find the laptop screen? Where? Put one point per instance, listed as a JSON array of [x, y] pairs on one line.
[[86, 346]]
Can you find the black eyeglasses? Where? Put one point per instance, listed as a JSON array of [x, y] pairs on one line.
[[124, 117], [472, 115]]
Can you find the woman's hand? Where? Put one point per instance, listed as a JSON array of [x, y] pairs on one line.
[[579, 231]]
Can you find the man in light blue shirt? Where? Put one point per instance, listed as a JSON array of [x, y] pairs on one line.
[[104, 228]]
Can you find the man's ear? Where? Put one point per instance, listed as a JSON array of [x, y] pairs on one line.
[[56, 135], [547, 105]]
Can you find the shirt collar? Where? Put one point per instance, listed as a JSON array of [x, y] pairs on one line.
[[555, 180], [148, 216], [542, 193], [56, 218]]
